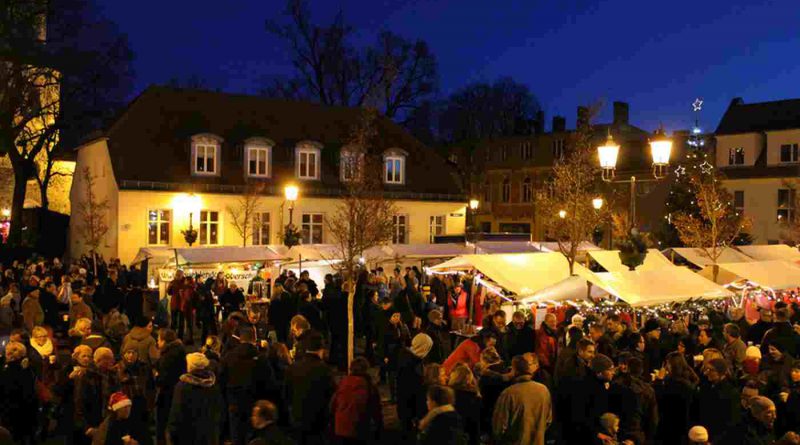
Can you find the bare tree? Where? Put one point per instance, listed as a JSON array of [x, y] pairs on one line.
[[717, 225], [363, 217], [92, 215], [566, 210], [243, 212]]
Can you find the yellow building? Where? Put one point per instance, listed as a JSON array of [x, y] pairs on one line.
[[757, 150], [176, 154]]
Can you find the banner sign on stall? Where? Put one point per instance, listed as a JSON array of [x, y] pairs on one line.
[[241, 277]]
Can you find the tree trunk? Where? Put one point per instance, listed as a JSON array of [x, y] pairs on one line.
[[17, 204], [351, 346]]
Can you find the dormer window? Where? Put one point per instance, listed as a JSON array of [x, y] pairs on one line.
[[307, 160], [258, 157], [350, 161], [205, 154], [394, 169]]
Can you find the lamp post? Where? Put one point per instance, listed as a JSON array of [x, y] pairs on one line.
[[597, 203], [660, 150], [472, 227]]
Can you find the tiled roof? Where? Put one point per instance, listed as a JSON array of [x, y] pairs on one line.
[[150, 141], [759, 117]]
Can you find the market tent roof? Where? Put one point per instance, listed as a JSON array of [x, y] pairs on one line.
[[328, 252], [159, 254], [506, 247], [552, 246], [226, 254], [520, 273], [570, 288], [699, 258], [771, 252], [422, 251], [772, 274], [658, 286], [611, 262]]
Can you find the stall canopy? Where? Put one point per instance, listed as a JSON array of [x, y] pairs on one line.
[[427, 251], [328, 253], [772, 274], [225, 254], [771, 252], [610, 261], [158, 255], [699, 258], [658, 286], [505, 247], [520, 273], [552, 246]]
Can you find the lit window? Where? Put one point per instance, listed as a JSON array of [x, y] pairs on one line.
[[527, 150], [786, 201], [258, 161], [437, 226], [736, 156], [394, 168], [400, 235], [789, 153], [558, 148], [205, 158], [506, 190], [261, 226], [209, 228], [312, 228], [307, 162], [158, 227], [738, 201], [527, 190]]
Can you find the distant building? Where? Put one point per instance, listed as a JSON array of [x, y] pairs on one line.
[[171, 145], [757, 150]]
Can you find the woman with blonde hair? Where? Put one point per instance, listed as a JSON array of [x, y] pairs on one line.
[[18, 411], [468, 400]]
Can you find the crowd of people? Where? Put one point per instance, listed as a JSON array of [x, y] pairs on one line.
[[97, 357]]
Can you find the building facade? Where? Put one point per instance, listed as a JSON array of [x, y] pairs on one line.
[[181, 157], [757, 151]]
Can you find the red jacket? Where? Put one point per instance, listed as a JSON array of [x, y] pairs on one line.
[[467, 352], [356, 408], [546, 349]]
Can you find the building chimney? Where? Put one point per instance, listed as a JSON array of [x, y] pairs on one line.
[[559, 124], [538, 123], [583, 116], [621, 113]]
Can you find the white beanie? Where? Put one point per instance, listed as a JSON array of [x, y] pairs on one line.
[[421, 345], [195, 361], [698, 434], [752, 352]]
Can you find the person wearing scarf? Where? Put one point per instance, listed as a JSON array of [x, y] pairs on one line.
[[442, 425], [196, 414]]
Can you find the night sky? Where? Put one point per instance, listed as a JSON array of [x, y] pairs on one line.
[[656, 55]]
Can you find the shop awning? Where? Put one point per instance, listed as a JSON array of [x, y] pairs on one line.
[[773, 274], [658, 286], [610, 261], [225, 254], [158, 255], [426, 251], [771, 252], [552, 246], [520, 273], [486, 247], [699, 258]]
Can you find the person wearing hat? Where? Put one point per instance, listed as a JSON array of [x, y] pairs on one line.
[[587, 399], [115, 428], [718, 403], [654, 349], [752, 361], [410, 387], [438, 332], [698, 435], [196, 413]]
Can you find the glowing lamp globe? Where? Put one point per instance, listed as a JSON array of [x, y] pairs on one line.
[[562, 214], [660, 148], [291, 192], [608, 154], [597, 203], [473, 204]]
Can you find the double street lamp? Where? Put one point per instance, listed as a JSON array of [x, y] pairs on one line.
[[660, 151]]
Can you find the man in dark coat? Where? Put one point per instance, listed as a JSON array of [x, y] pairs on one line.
[[309, 387], [588, 400], [169, 368], [756, 427], [718, 403], [246, 376], [51, 307], [782, 333], [311, 285], [519, 338], [264, 420], [442, 425], [110, 295], [410, 382], [334, 304], [196, 411], [438, 332], [756, 332], [634, 400]]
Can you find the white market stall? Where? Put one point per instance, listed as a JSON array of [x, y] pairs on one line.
[[775, 275], [700, 259], [658, 286], [771, 252], [611, 262], [486, 247]]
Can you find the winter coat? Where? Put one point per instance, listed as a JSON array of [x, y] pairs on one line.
[[782, 334], [587, 399], [170, 366], [748, 432], [142, 340], [442, 346], [92, 391], [311, 312], [546, 348], [468, 406], [196, 412], [519, 341], [32, 313], [246, 376], [270, 435], [634, 400], [134, 305], [309, 387], [410, 387], [356, 409], [675, 398], [18, 410], [444, 428], [718, 407], [522, 413], [79, 310], [468, 352], [396, 337]]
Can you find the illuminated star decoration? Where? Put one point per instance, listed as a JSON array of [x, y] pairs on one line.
[[697, 105], [706, 168], [680, 171]]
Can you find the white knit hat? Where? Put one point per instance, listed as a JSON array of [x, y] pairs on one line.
[[752, 352], [698, 434], [421, 345], [195, 361]]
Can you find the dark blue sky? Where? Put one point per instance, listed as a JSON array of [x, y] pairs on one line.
[[656, 55]]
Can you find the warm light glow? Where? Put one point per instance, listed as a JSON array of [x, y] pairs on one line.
[[608, 154], [473, 204], [562, 214], [660, 147], [291, 191], [186, 203], [597, 203], [6, 213]]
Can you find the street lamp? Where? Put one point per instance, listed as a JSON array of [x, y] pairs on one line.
[[562, 214], [473, 224], [291, 236], [290, 192], [597, 203], [660, 150]]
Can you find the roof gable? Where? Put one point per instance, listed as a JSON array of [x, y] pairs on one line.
[[759, 117]]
